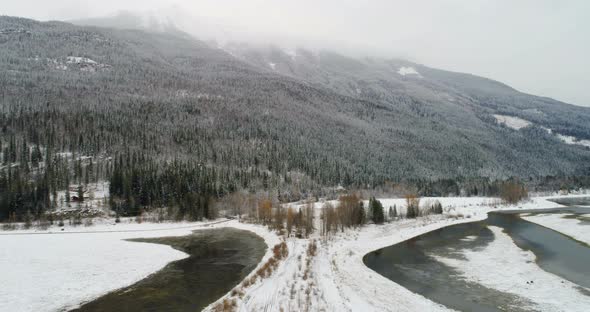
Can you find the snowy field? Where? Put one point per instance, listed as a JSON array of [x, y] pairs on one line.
[[568, 226], [55, 269]]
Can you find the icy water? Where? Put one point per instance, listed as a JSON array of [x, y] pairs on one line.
[[409, 264], [219, 259]]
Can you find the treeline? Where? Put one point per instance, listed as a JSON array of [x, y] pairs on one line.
[[479, 186], [186, 189], [349, 211], [31, 176], [20, 196]]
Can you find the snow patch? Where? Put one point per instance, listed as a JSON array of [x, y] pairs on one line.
[[568, 139], [55, 64], [291, 53], [79, 60], [85, 64], [408, 70], [573, 140], [512, 122], [519, 123], [272, 65]]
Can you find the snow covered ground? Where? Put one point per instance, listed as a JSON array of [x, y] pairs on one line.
[[339, 279], [569, 226], [573, 140], [79, 60], [505, 267], [519, 123], [408, 70], [55, 269], [512, 122], [95, 200]]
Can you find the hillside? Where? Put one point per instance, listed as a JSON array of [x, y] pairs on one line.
[[262, 116]]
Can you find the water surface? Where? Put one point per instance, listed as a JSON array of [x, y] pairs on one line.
[[219, 259]]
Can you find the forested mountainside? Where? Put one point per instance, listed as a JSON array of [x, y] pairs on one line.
[[438, 92], [170, 120]]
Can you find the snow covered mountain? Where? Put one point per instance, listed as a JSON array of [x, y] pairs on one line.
[[333, 118]]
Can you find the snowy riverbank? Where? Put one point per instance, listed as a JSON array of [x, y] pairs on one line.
[[569, 226], [505, 267], [53, 270], [340, 281]]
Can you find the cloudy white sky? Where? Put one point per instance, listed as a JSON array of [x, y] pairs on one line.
[[537, 46]]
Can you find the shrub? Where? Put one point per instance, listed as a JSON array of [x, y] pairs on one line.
[[227, 305], [329, 219], [413, 206], [77, 219], [43, 224], [28, 220], [350, 211], [437, 208], [280, 251], [513, 192], [8, 227], [265, 211], [312, 248], [290, 220]]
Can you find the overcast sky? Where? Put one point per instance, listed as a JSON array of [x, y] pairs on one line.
[[537, 46]]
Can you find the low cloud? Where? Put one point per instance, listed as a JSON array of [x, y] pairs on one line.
[[536, 46]]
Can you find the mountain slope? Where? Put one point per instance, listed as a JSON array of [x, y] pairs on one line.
[[379, 79], [333, 118]]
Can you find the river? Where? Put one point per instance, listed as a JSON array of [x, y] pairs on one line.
[[413, 263], [218, 260]]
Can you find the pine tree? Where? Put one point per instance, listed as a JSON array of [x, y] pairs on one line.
[[80, 193], [437, 208], [36, 156], [371, 206], [377, 211], [413, 206]]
